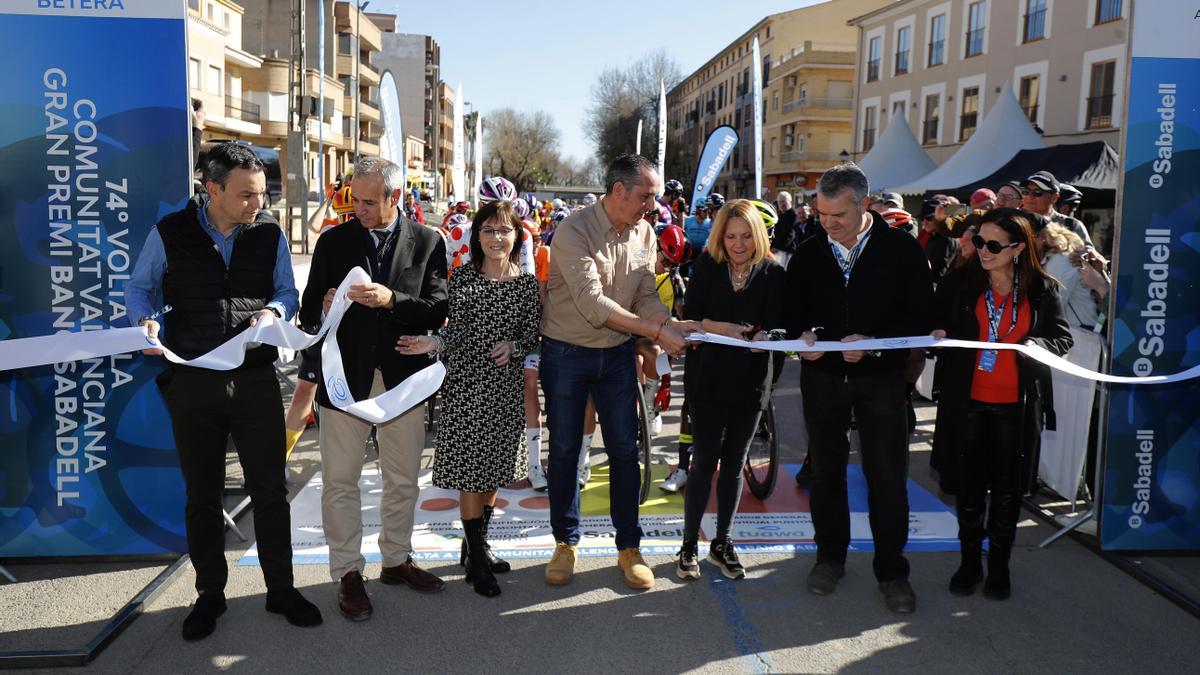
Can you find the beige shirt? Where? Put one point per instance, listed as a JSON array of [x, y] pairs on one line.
[[594, 270]]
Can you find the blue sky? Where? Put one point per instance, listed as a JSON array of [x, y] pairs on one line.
[[539, 55]]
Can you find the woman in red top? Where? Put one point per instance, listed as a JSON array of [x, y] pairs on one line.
[[992, 404]]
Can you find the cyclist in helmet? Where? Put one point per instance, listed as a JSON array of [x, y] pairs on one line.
[[496, 187], [697, 230], [589, 199], [673, 251], [458, 250]]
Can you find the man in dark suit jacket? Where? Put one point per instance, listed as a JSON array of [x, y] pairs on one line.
[[406, 296]]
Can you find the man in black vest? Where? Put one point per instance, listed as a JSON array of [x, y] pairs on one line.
[[407, 296], [861, 280], [223, 265]]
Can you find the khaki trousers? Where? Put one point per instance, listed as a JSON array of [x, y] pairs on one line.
[[343, 438]]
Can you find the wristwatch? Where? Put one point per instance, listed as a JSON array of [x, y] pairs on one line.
[[275, 310]]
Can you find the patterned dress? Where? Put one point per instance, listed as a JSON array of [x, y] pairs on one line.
[[481, 442]]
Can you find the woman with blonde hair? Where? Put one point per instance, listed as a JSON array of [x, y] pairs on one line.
[[736, 291]]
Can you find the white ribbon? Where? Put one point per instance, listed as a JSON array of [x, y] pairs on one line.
[[44, 350], [924, 341]]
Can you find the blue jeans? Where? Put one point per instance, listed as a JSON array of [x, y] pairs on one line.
[[569, 373]]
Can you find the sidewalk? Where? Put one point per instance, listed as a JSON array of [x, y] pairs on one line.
[[1071, 611]]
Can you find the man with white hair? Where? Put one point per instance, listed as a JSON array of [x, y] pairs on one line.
[[785, 239]]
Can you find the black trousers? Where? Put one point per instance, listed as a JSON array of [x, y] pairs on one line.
[[878, 403], [720, 434], [990, 462], [208, 407]]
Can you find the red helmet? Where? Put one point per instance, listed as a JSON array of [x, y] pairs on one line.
[[462, 207], [674, 245]]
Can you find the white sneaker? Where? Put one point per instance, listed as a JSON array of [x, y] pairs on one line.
[[537, 477], [585, 474], [656, 424], [674, 482]]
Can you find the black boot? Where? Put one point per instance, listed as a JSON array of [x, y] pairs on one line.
[[998, 585], [970, 570], [498, 566], [479, 572]]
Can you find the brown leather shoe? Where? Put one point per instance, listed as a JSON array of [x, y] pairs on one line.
[[352, 597], [414, 577]]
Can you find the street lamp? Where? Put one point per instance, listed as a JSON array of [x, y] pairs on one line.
[[357, 84]]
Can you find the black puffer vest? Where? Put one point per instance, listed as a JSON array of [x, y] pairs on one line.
[[212, 303]]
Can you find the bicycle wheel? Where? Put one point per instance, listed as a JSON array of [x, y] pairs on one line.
[[764, 455], [644, 443]]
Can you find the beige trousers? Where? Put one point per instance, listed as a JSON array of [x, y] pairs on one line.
[[343, 438]]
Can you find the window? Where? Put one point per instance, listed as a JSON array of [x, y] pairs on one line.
[[347, 44], [903, 38], [870, 122], [1108, 10], [214, 80], [721, 96], [970, 113], [775, 102], [1029, 96], [933, 107], [874, 48], [975, 28], [194, 73], [937, 40], [225, 18], [1100, 96], [1035, 20], [209, 13]]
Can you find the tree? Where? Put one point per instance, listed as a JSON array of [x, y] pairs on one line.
[[621, 97], [521, 147]]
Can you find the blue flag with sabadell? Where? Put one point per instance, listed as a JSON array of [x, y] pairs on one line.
[[94, 150], [717, 149]]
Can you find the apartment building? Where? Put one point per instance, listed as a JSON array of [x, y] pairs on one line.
[[809, 50], [940, 64], [216, 69], [415, 62]]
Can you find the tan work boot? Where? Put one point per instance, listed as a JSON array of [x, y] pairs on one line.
[[561, 567], [637, 573]]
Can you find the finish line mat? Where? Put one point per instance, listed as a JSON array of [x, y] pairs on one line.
[[521, 527]]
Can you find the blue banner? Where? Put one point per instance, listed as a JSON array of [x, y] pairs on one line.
[[717, 150], [1151, 495], [94, 149]]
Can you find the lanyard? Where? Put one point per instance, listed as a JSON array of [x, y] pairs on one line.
[[995, 313], [847, 262]]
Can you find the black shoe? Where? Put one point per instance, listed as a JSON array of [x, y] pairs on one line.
[[293, 607], [202, 620], [498, 565], [998, 585], [721, 554], [824, 577], [479, 570], [899, 596], [804, 475], [966, 579], [688, 564]]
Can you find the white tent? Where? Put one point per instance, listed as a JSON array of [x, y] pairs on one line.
[[1005, 131], [896, 159]]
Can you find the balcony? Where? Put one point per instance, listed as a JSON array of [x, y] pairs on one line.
[[368, 112], [974, 42], [808, 156], [368, 74], [873, 70], [1099, 112], [809, 103], [241, 109]]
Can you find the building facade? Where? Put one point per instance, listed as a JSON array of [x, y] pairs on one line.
[[940, 64], [415, 62], [802, 50]]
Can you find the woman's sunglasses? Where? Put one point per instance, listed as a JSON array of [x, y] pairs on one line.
[[993, 246]]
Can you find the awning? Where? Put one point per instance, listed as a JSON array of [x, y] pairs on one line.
[[1093, 168], [896, 159], [1005, 131]]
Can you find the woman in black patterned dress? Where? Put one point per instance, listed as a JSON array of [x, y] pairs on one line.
[[495, 310]]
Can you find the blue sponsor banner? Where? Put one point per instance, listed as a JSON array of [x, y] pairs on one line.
[[1151, 495], [717, 150], [94, 149]]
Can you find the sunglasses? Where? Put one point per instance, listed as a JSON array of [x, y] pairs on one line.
[[993, 246], [1035, 193]]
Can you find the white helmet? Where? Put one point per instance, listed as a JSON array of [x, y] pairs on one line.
[[558, 204], [589, 199], [496, 187]]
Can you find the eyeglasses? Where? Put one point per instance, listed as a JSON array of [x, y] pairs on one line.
[[991, 245], [490, 232]]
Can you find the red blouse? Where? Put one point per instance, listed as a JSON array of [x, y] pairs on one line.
[[1000, 385]]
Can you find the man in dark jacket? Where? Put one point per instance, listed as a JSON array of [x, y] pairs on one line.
[[861, 280], [406, 296], [787, 236], [223, 265]]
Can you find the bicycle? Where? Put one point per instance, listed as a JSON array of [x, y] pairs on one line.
[[762, 459], [645, 442]]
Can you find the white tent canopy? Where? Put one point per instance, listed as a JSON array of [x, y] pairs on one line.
[[896, 159], [1005, 131]]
